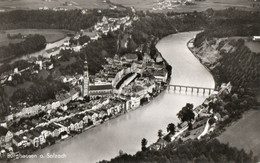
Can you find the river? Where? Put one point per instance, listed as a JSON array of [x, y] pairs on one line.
[[125, 132], [43, 52]]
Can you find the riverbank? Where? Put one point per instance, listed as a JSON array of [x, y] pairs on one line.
[[126, 131], [205, 127], [58, 140], [240, 122], [183, 131], [101, 113], [218, 111]]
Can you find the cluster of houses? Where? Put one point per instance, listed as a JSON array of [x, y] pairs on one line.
[[113, 24], [169, 4], [118, 88], [102, 27], [69, 113], [56, 124], [35, 65], [205, 110]]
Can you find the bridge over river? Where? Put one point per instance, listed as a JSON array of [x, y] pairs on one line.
[[126, 132], [190, 88]]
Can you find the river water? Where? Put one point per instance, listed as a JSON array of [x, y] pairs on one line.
[[43, 52], [125, 132]]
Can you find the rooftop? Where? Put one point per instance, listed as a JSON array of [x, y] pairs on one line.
[[131, 56], [100, 87]]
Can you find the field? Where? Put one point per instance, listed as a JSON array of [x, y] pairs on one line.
[[244, 133], [201, 6], [36, 4], [253, 46], [138, 4], [51, 35]]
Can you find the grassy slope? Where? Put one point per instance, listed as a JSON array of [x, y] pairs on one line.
[[244, 133]]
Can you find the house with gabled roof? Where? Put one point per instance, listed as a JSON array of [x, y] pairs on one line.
[[54, 129], [33, 138], [5, 135], [20, 141]]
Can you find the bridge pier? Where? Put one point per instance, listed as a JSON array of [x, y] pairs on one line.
[[180, 89], [186, 89], [192, 90], [198, 90], [203, 90]]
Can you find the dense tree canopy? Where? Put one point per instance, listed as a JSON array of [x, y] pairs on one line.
[[72, 19], [190, 151], [171, 128], [41, 91], [186, 113], [31, 44]]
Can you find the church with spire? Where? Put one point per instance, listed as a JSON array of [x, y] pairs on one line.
[[85, 83], [93, 90]]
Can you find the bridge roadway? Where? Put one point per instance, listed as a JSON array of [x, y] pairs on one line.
[[190, 87]]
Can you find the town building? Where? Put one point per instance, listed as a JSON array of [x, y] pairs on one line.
[[100, 90], [256, 38]]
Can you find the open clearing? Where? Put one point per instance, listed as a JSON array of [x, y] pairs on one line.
[[245, 133], [51, 35], [253, 46], [201, 6]]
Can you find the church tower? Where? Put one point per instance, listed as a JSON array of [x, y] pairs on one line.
[[85, 84]]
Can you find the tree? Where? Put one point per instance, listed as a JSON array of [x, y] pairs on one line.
[[186, 113], [160, 134], [143, 144], [212, 121], [83, 39], [167, 138], [171, 128], [121, 152], [190, 126]]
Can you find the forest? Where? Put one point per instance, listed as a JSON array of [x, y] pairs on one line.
[[230, 22], [71, 20], [40, 91], [190, 151], [32, 43], [241, 67]]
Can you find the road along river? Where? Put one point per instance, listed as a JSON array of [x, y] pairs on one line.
[[125, 132]]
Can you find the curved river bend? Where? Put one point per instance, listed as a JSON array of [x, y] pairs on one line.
[[125, 132]]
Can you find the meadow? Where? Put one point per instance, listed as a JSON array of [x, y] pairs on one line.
[[244, 133], [138, 4], [201, 6]]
